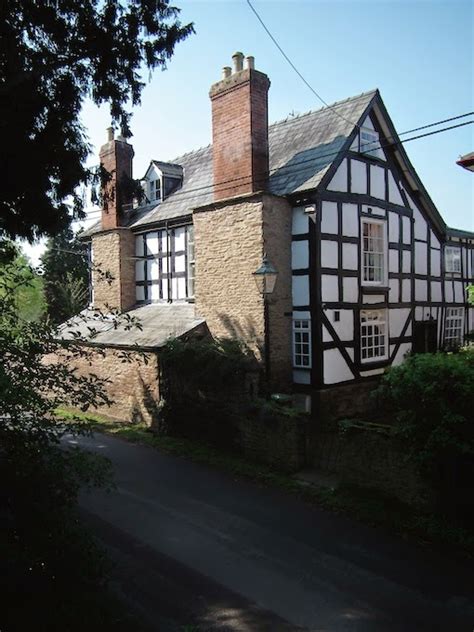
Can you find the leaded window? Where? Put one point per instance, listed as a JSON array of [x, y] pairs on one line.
[[453, 328], [373, 335], [452, 259], [373, 252], [161, 265], [302, 343]]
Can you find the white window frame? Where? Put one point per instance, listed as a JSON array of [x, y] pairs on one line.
[[370, 146], [370, 348], [190, 261], [154, 188], [452, 259], [383, 252], [302, 327], [454, 326]]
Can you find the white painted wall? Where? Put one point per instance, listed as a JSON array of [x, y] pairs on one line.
[[339, 180], [358, 176], [299, 254], [300, 290], [350, 256], [329, 288], [421, 258], [350, 220], [335, 367], [377, 181], [398, 319], [300, 225], [350, 290], [329, 250], [329, 221], [344, 328], [393, 191]]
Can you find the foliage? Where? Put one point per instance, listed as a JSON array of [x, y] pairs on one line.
[[27, 296], [203, 387], [54, 55], [431, 397], [470, 294], [46, 558], [65, 276]]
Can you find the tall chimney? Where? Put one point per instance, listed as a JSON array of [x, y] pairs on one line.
[[116, 158], [240, 130]]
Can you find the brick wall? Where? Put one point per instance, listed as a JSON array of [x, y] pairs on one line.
[[133, 386], [230, 240], [240, 133], [113, 275], [116, 158]]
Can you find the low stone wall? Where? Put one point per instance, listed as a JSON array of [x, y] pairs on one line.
[[369, 459], [278, 441], [345, 400], [132, 385]]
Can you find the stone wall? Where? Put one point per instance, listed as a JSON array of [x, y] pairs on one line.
[[113, 275], [277, 215], [229, 248], [278, 441], [230, 240], [369, 459], [133, 386]]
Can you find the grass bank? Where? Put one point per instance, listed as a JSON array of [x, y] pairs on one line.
[[365, 505]]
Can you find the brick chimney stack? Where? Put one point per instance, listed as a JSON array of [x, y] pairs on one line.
[[240, 129], [116, 157]]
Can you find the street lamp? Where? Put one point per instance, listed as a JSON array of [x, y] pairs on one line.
[[265, 279]]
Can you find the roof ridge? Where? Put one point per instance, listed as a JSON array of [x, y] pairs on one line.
[[330, 106]]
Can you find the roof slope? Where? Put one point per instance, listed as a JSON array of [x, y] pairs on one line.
[[158, 323], [302, 148]]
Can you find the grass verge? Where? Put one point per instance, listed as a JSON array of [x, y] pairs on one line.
[[369, 506]]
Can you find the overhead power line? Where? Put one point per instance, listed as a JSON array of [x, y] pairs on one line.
[[294, 169], [318, 96]]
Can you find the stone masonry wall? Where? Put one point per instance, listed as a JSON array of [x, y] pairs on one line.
[[229, 248], [230, 240], [133, 386], [277, 245], [113, 253]]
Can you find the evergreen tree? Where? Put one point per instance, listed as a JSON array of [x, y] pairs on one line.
[[53, 55], [65, 276]]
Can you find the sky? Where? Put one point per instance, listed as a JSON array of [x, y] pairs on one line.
[[419, 54]]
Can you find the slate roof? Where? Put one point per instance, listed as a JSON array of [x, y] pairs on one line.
[[301, 148], [159, 323]]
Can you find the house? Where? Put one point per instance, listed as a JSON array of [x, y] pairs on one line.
[[367, 268]]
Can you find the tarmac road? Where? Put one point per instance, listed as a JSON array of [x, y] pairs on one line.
[[194, 546]]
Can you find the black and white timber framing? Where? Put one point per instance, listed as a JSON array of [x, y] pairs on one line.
[[416, 294]]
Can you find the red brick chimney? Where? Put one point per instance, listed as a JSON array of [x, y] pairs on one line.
[[240, 129], [116, 158]]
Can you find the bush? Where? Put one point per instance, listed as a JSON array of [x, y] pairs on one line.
[[431, 398]]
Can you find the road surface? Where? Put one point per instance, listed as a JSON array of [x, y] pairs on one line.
[[194, 546]]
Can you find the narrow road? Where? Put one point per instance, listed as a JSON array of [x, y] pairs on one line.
[[193, 542]]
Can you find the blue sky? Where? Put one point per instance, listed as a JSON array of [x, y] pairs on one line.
[[418, 53]]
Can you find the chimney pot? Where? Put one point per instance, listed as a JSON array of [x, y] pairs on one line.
[[110, 134], [238, 59], [226, 72], [250, 62]]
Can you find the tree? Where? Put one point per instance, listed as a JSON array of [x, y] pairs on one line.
[[51, 572], [27, 296], [65, 276], [53, 55]]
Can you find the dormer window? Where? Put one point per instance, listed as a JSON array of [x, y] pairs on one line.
[[155, 190], [369, 143]]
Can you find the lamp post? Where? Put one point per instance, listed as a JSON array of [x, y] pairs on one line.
[[265, 279]]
